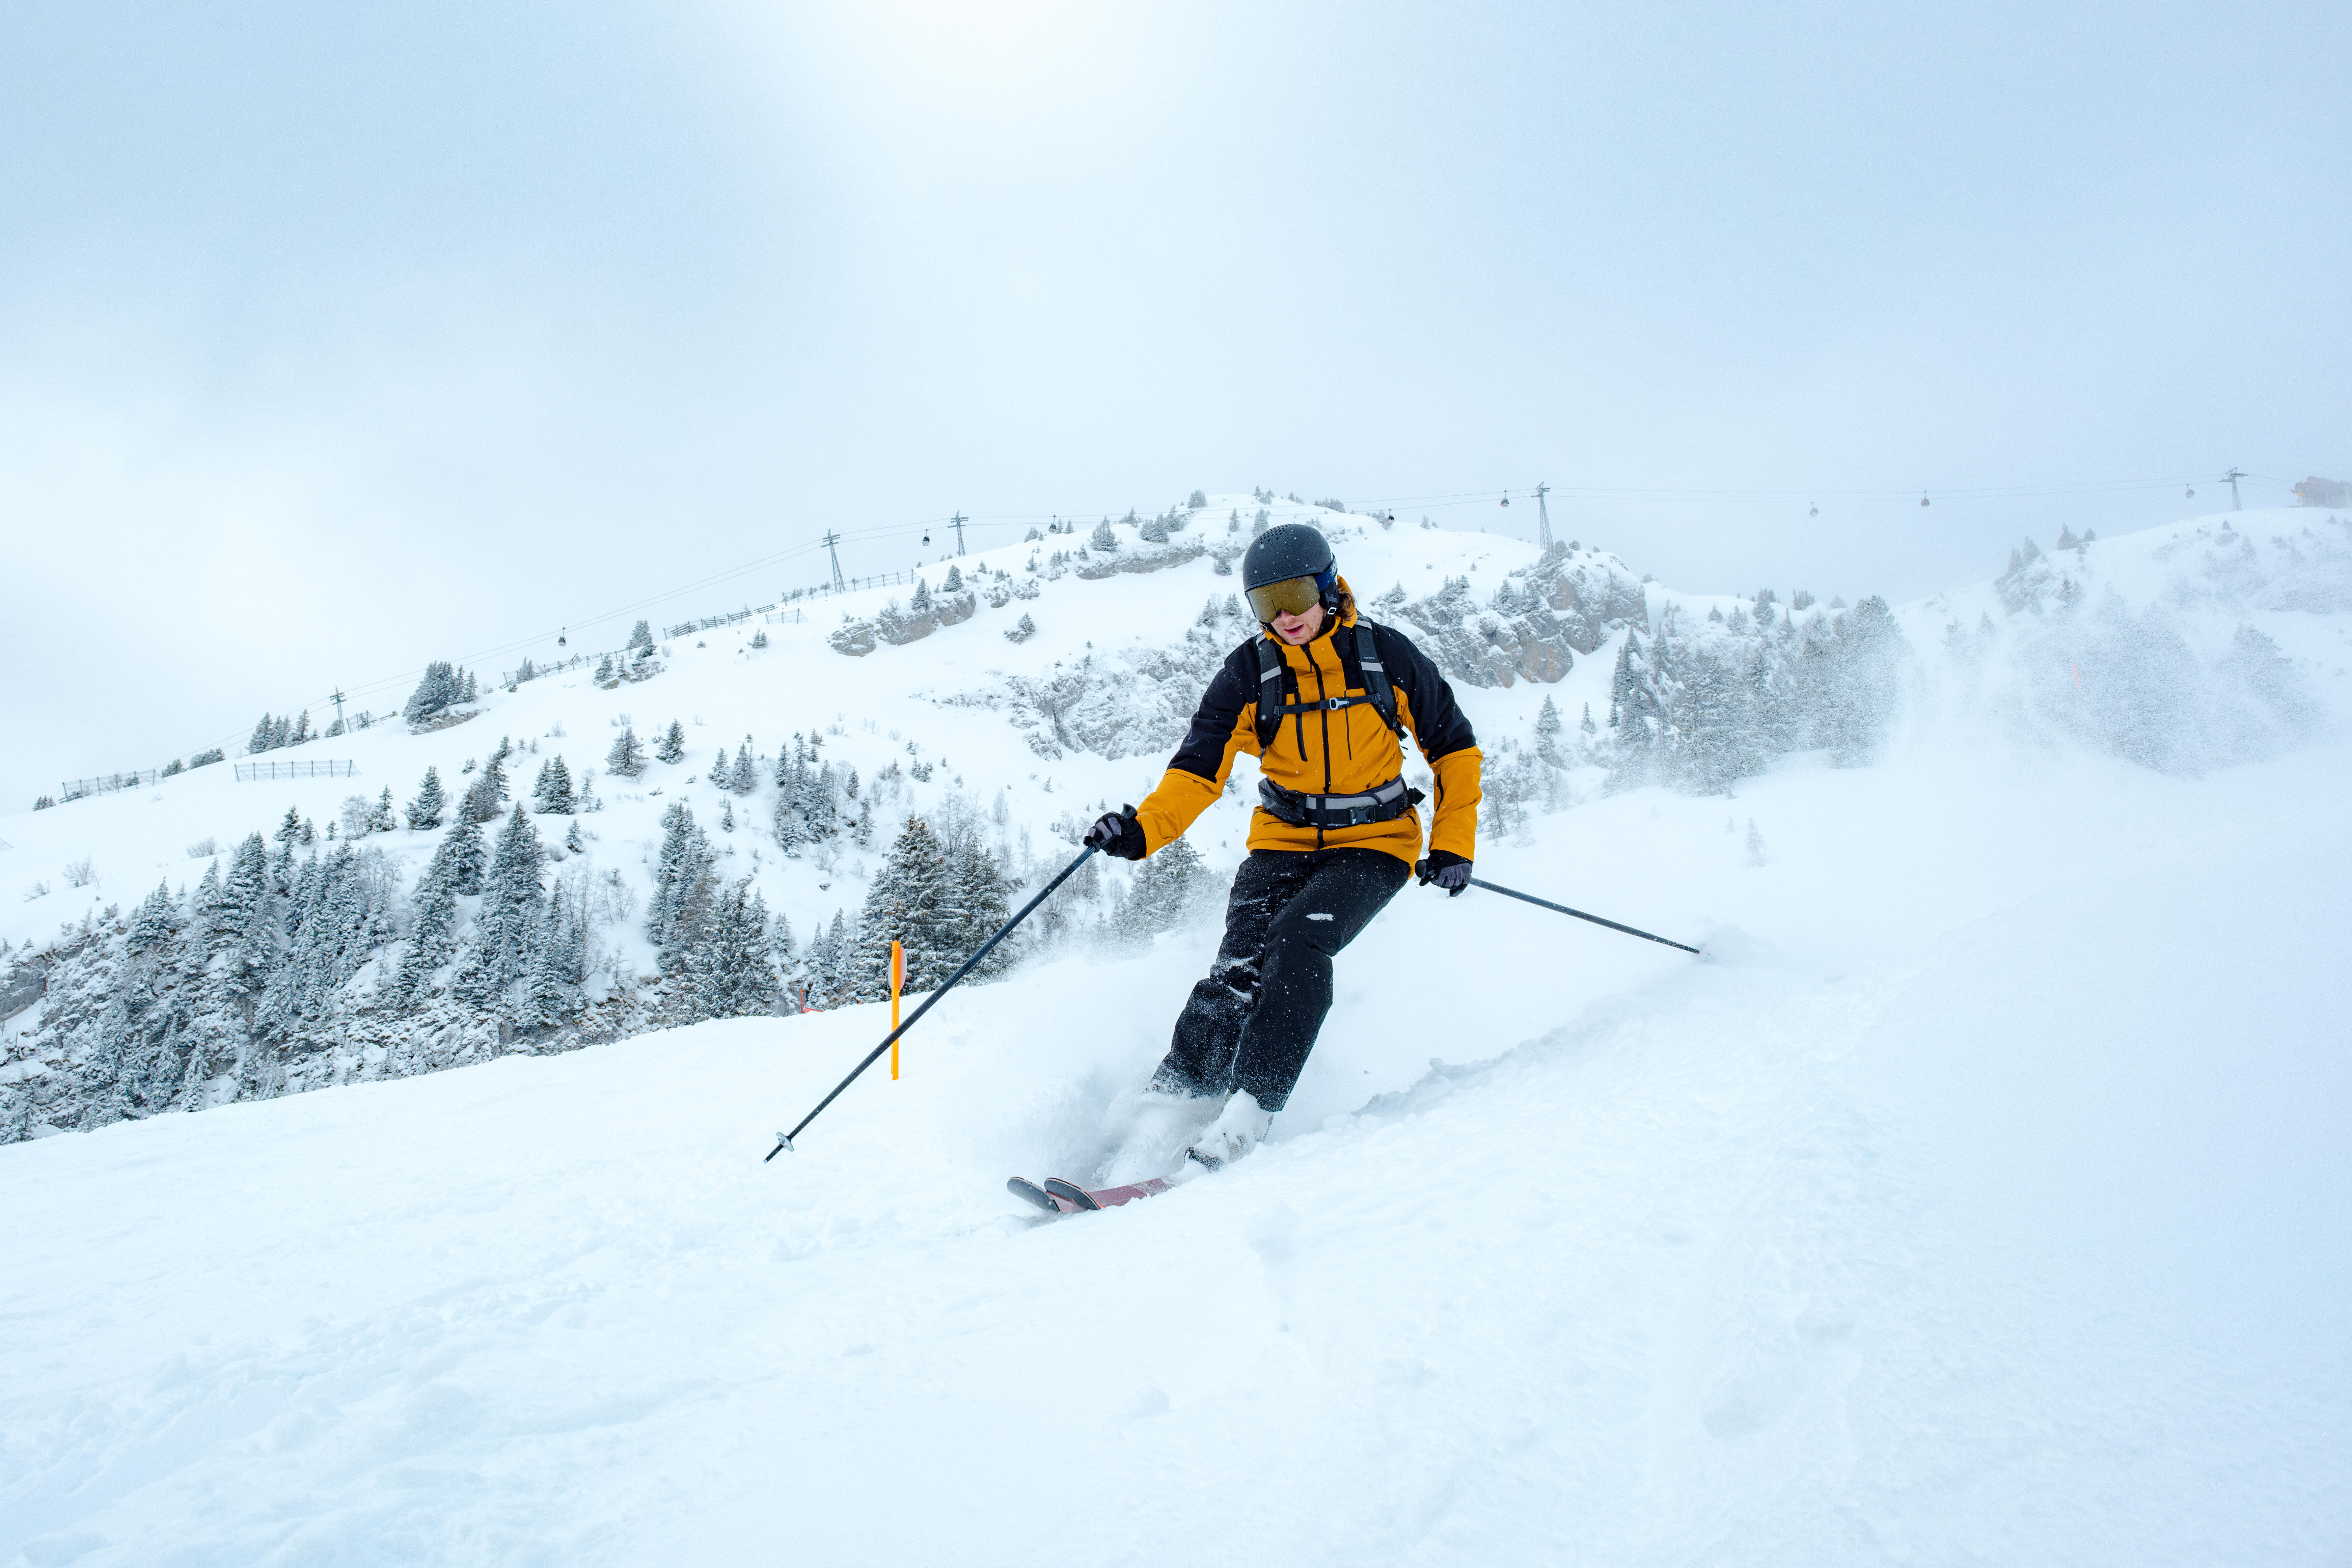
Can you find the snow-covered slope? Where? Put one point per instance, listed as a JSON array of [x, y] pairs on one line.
[[1982, 1202], [1979, 1199]]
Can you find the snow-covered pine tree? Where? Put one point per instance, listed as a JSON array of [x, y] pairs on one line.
[[641, 637], [299, 985], [1633, 717], [1717, 726], [1164, 891], [428, 809], [281, 865], [244, 929], [731, 970], [682, 878], [745, 776], [469, 857], [1847, 681], [982, 902], [154, 923], [481, 802], [1547, 728], [439, 690], [498, 952], [206, 901], [912, 901], [432, 921], [552, 795], [671, 747], [820, 815], [953, 582], [1104, 536], [817, 980], [558, 961], [790, 832], [721, 769], [626, 758]]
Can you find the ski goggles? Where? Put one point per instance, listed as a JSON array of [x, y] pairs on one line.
[[1291, 597]]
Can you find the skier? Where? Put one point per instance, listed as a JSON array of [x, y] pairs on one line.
[[1322, 697]]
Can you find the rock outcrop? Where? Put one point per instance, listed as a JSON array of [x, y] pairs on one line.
[[1532, 627]]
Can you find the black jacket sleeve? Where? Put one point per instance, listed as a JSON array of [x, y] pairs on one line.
[[1230, 691]]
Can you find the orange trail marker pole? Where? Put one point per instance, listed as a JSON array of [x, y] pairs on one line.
[[898, 984]]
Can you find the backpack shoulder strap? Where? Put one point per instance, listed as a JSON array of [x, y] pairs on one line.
[[1376, 677], [1269, 691]]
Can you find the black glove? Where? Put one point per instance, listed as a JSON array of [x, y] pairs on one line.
[[1447, 870], [1116, 833]]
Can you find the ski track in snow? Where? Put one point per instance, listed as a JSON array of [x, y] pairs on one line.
[[1980, 1201]]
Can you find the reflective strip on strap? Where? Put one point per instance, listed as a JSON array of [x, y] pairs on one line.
[[1381, 796], [1378, 805]]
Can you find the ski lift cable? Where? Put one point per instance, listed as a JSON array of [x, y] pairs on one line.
[[1694, 494]]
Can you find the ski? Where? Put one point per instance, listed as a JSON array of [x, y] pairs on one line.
[[1103, 1197]]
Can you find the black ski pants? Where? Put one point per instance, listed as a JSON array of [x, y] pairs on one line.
[[1252, 1022]]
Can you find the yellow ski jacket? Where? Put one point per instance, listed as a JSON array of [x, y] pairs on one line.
[[1346, 750]]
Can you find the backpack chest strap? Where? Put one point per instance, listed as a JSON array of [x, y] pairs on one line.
[[1273, 674]]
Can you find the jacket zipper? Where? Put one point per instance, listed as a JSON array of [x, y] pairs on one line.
[[1323, 692]]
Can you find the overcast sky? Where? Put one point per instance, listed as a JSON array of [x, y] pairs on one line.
[[334, 339]]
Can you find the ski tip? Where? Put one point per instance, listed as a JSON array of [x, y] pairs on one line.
[[1030, 1191], [1070, 1192]]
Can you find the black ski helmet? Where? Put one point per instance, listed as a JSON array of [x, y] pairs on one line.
[[1292, 549]]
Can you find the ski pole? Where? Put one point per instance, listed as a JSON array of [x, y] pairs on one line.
[[1580, 914], [784, 1139]]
